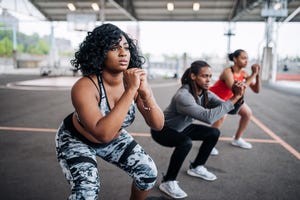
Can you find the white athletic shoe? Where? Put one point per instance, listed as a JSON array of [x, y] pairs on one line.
[[241, 143], [201, 172], [214, 152], [172, 189]]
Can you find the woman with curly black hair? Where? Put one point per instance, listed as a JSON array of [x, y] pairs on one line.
[[104, 101]]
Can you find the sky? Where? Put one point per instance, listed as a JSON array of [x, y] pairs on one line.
[[193, 38]]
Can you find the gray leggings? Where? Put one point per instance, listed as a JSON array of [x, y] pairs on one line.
[[77, 158]]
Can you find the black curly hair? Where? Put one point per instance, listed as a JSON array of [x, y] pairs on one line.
[[89, 59]]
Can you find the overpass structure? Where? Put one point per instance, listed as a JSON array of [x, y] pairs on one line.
[[83, 12], [167, 10]]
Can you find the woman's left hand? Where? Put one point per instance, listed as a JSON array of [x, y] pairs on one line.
[[144, 89], [255, 69]]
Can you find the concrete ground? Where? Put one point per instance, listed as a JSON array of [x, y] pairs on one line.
[[29, 170]]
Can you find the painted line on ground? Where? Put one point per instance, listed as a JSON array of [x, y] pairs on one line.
[[9, 128], [251, 140], [60, 83], [276, 137], [49, 130]]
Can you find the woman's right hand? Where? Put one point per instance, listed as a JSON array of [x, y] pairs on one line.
[[132, 78], [238, 88], [255, 69]]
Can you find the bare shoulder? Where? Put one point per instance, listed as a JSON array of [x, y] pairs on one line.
[[226, 72], [80, 83], [84, 87], [244, 71]]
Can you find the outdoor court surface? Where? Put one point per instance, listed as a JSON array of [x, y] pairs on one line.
[[29, 170]]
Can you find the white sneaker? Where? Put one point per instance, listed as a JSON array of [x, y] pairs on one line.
[[241, 143], [214, 152], [172, 189], [201, 172]]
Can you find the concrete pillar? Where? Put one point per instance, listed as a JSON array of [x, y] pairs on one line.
[[267, 63]]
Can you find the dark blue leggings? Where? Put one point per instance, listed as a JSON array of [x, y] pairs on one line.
[[182, 141]]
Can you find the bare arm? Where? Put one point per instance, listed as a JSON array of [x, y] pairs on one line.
[[103, 128], [186, 105], [147, 105], [238, 90], [227, 77], [255, 86]]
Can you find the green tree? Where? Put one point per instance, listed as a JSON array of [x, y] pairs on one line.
[[40, 48], [20, 48], [6, 47], [32, 44], [5, 33]]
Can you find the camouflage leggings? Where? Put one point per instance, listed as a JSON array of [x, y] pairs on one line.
[[78, 161]]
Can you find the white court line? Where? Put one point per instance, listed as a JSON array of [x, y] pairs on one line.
[[53, 83], [276, 137], [60, 83], [49, 130]]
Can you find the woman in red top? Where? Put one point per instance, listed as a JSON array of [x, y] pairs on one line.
[[223, 89]]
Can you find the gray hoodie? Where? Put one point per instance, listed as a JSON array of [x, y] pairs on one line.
[[183, 109]]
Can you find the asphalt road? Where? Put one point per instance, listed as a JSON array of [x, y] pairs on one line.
[[270, 171]]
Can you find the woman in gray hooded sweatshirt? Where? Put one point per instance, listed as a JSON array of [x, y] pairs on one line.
[[193, 101]]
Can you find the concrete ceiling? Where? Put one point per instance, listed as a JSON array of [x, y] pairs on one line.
[[155, 10]]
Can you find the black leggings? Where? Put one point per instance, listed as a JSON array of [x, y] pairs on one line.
[[182, 141]]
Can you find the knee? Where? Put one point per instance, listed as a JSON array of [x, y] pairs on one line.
[[184, 146], [247, 114], [187, 143], [146, 177], [215, 134]]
